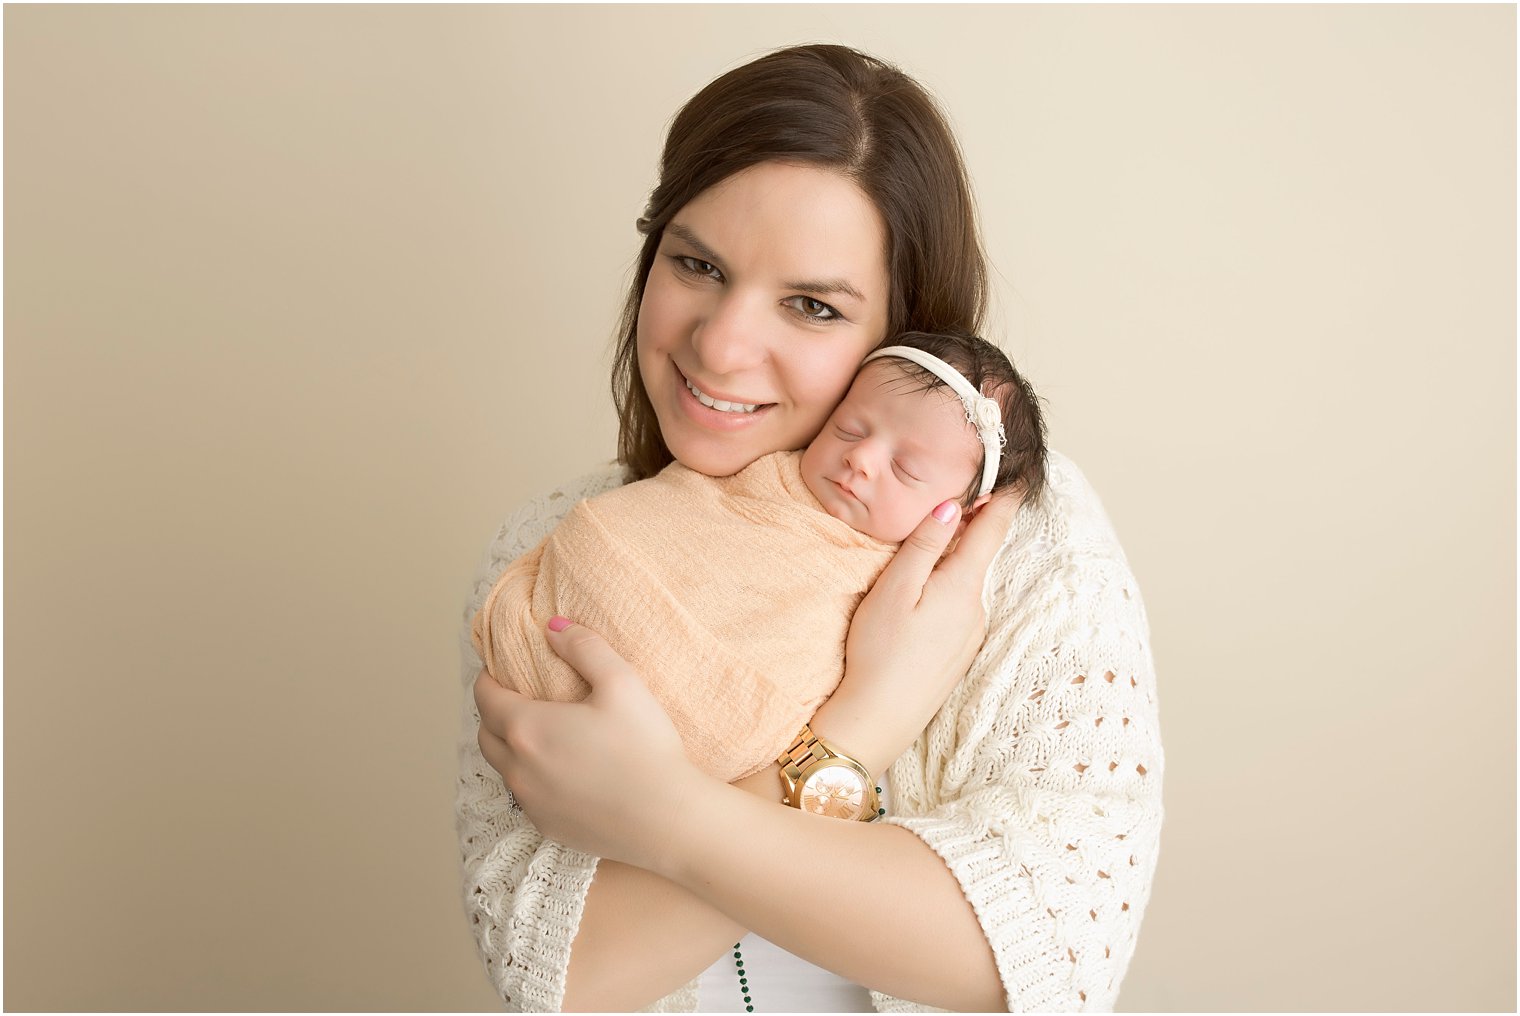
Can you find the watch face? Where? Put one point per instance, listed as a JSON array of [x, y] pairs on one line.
[[835, 791]]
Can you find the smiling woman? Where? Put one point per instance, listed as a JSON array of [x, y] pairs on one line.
[[724, 318], [811, 204]]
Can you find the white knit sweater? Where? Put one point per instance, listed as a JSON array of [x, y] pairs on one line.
[[1038, 782]]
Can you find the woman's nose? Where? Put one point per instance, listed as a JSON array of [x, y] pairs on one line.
[[730, 339]]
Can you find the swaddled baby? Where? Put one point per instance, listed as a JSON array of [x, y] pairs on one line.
[[732, 596]]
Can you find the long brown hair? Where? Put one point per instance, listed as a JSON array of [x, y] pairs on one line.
[[834, 108]]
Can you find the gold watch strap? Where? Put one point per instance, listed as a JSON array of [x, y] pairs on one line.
[[807, 747]]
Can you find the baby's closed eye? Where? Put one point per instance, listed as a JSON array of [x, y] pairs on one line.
[[905, 473]]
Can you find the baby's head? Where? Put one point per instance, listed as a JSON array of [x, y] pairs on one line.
[[902, 441]]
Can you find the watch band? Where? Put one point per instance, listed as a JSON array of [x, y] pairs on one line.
[[808, 753], [807, 747]]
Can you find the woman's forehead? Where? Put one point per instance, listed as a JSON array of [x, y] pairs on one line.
[[809, 224]]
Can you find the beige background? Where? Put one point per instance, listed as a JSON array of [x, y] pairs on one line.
[[301, 301]]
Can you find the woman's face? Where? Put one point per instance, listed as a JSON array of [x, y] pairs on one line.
[[767, 291]]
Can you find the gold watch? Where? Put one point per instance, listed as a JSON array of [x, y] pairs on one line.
[[816, 777]]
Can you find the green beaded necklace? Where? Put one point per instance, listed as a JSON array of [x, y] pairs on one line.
[[743, 980]]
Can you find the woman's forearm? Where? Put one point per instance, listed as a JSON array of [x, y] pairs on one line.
[[644, 935], [641, 936], [872, 903]]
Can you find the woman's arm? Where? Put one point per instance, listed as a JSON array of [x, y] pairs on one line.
[[858, 881], [643, 935], [909, 604], [1037, 787]]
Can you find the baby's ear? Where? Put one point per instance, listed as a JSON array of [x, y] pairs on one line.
[[966, 515]]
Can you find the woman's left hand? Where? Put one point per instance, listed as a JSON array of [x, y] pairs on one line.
[[606, 775]]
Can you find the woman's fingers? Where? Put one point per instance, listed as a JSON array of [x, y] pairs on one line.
[[587, 652], [605, 775], [979, 544], [495, 703], [910, 567]]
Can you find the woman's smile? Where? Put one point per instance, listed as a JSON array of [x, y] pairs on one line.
[[722, 420], [723, 403]]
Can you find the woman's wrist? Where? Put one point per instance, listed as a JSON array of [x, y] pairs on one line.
[[766, 784], [852, 733]]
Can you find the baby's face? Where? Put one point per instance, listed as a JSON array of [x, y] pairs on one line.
[[889, 455]]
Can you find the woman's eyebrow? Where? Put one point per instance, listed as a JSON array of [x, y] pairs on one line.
[[706, 253], [684, 233], [826, 287]]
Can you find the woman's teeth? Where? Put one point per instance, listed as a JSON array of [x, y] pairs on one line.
[[719, 404]]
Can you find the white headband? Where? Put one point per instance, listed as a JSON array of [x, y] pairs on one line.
[[982, 412]]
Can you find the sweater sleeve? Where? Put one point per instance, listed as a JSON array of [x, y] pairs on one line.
[[1039, 781], [523, 894]]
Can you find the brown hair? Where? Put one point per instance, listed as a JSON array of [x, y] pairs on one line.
[[834, 108], [990, 372]]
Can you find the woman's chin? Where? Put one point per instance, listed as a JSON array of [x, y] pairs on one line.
[[713, 458]]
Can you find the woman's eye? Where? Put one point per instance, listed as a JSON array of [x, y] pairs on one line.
[[813, 310], [696, 266]]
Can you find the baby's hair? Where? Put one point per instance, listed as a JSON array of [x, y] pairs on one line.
[[990, 372]]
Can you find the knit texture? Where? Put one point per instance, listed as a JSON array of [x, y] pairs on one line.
[[701, 583], [1038, 782]]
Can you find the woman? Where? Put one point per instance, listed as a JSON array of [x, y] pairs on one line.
[[810, 204]]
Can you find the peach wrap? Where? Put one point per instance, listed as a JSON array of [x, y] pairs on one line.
[[731, 596]]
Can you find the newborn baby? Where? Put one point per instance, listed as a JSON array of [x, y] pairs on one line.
[[732, 595]]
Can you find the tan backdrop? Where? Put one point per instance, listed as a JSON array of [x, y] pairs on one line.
[[301, 301]]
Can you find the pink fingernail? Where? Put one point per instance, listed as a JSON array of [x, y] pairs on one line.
[[946, 512], [557, 623]]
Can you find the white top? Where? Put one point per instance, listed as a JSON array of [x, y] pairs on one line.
[[780, 981]]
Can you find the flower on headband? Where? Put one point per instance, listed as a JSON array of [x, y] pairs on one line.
[[987, 417]]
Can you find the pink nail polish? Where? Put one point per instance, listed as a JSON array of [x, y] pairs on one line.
[[946, 512], [557, 623]]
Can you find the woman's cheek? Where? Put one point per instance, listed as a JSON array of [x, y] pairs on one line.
[[829, 379]]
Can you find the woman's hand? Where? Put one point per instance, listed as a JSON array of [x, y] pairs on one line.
[[914, 636], [606, 775]]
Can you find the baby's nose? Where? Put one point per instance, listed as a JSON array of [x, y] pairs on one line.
[[860, 460]]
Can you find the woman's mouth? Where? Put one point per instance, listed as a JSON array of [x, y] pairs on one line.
[[721, 405], [715, 412]]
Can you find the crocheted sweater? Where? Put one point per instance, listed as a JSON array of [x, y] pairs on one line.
[[1038, 782]]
